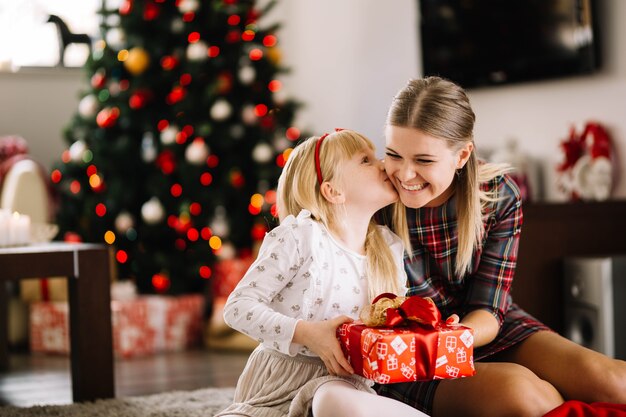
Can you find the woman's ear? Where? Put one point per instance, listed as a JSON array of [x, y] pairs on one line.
[[464, 154], [332, 194]]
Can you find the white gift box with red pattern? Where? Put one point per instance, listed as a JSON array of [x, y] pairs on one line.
[[142, 326]]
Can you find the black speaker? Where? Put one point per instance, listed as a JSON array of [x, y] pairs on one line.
[[595, 303]]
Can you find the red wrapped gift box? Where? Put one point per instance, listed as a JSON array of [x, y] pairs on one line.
[[406, 354], [409, 343], [141, 326]]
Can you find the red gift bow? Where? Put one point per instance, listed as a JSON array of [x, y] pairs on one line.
[[414, 308]]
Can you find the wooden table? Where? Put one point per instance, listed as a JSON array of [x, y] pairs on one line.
[[88, 272]]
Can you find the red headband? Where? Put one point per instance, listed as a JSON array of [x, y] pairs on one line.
[[318, 169]]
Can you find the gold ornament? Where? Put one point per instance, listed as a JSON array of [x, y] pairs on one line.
[[275, 55], [138, 60]]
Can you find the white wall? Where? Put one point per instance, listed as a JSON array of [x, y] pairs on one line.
[[348, 58]]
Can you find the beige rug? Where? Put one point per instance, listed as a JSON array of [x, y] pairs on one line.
[[200, 403]]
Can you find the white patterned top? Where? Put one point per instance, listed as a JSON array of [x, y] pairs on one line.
[[301, 273]]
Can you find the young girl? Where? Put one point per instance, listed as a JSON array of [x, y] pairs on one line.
[[315, 271], [465, 220]]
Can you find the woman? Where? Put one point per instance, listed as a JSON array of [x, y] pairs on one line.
[[464, 221]]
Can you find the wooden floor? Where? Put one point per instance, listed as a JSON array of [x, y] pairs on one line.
[[43, 379]]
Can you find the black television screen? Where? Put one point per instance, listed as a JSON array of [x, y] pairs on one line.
[[487, 42]]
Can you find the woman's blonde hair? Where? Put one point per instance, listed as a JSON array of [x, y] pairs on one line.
[[298, 189], [441, 109]]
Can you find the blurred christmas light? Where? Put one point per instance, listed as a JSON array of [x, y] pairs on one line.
[[260, 110], [274, 86], [213, 51], [206, 233], [258, 231], [293, 133], [212, 161], [121, 256], [75, 187], [122, 55], [274, 210], [206, 179], [255, 54], [95, 181], [215, 242], [269, 41], [189, 16], [247, 35], [180, 244], [65, 156], [101, 210], [205, 272], [257, 200], [56, 176], [270, 196], [185, 79], [109, 237], [193, 234], [176, 190], [160, 282], [193, 37], [233, 20], [91, 170], [253, 209], [195, 209]]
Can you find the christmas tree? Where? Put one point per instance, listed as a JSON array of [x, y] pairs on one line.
[[175, 150]]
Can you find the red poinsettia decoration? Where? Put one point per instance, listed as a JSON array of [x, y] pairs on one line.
[[588, 166]]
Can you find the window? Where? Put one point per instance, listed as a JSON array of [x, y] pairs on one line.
[[29, 40]]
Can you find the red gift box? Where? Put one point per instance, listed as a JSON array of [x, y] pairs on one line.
[[141, 326], [419, 348]]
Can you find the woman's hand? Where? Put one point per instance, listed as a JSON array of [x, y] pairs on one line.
[[320, 337]]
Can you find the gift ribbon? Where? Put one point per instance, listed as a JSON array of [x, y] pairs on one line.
[[413, 309]]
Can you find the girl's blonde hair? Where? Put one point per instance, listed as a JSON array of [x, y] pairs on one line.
[[441, 109], [298, 189]]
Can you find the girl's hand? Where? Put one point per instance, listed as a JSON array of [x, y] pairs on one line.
[[453, 319], [320, 337]]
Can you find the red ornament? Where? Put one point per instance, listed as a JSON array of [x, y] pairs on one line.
[[139, 99], [166, 161], [72, 237], [107, 117], [151, 11], [224, 82], [258, 231], [126, 7], [160, 282], [98, 79], [177, 94], [169, 62]]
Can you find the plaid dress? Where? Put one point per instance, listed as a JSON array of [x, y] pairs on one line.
[[430, 272]]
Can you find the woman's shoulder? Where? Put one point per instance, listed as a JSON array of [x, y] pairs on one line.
[[502, 186]]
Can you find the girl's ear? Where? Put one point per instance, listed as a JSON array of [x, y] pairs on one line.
[[464, 154], [332, 194]]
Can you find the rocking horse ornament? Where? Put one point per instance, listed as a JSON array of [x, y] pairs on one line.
[[588, 169]]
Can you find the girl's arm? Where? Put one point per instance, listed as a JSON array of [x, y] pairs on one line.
[[248, 308]]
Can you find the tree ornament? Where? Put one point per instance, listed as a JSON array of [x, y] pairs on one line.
[[197, 152], [219, 225], [152, 211], [588, 164], [221, 110], [188, 6], [107, 117], [124, 221], [262, 153], [247, 74], [139, 99], [116, 38], [98, 79], [248, 115], [137, 61], [197, 51], [275, 55], [88, 106], [77, 151], [168, 135], [148, 149]]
